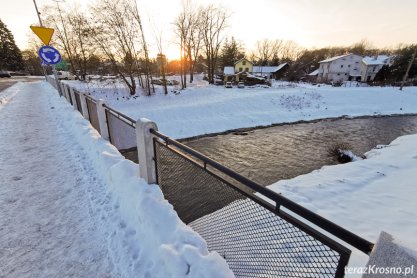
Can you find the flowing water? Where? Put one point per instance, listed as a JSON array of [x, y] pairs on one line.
[[267, 155]]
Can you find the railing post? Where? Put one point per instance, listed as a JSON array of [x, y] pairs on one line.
[[84, 107], [72, 96], [102, 120], [60, 87], [65, 93], [388, 254], [146, 152]]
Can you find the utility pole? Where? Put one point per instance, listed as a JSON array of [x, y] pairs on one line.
[[53, 67], [41, 24], [408, 68], [38, 13]]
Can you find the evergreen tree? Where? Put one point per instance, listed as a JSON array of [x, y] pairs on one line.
[[396, 71], [231, 52], [10, 55]]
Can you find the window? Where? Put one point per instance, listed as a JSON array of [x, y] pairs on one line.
[[244, 63], [374, 69], [345, 73], [341, 66], [246, 69], [348, 66], [338, 74], [240, 69]]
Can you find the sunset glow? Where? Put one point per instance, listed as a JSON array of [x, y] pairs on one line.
[[318, 23]]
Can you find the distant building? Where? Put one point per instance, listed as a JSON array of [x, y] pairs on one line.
[[246, 66], [271, 72], [370, 66], [312, 76], [243, 65], [340, 68]]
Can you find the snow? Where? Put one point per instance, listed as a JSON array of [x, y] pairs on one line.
[[379, 60], [73, 206], [335, 58], [229, 70], [314, 73], [365, 196], [205, 109]]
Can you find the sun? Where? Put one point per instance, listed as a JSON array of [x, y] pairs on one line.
[[172, 53]]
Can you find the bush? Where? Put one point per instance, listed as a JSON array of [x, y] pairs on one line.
[[341, 153]]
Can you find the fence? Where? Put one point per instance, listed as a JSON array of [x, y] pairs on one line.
[[92, 112], [257, 231]]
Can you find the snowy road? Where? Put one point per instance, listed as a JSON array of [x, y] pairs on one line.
[[47, 225]]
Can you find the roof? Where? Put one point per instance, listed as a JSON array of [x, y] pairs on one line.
[[335, 58], [376, 60], [242, 60], [229, 70], [314, 73], [270, 69]]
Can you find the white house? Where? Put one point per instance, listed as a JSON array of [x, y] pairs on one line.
[[371, 65], [340, 68]]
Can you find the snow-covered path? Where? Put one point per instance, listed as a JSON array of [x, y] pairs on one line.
[[47, 225]]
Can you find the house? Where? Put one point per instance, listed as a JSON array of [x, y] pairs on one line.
[[370, 66], [312, 76], [340, 68], [243, 65], [274, 72]]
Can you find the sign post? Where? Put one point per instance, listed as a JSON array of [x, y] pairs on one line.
[[45, 34], [51, 56]]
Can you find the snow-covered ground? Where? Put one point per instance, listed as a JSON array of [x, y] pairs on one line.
[[366, 196], [72, 206], [203, 108], [142, 231]]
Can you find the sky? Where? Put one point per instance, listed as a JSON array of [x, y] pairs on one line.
[[310, 23]]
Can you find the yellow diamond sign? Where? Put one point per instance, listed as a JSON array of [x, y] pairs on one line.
[[45, 34]]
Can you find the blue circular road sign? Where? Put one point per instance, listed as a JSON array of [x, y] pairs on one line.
[[49, 55]]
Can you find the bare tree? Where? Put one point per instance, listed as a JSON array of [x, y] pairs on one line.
[[148, 76], [213, 21], [116, 33], [73, 34], [187, 28], [192, 42], [271, 52], [290, 51], [161, 59], [181, 29], [266, 50]]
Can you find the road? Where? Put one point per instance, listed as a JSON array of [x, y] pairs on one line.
[[7, 82]]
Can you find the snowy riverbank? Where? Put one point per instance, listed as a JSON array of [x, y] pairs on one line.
[[365, 196], [203, 109]]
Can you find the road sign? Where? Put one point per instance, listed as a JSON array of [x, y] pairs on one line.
[[49, 55], [45, 34]]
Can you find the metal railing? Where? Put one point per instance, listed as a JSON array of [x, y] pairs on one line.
[[259, 232], [92, 112], [256, 230], [122, 130], [78, 101]]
